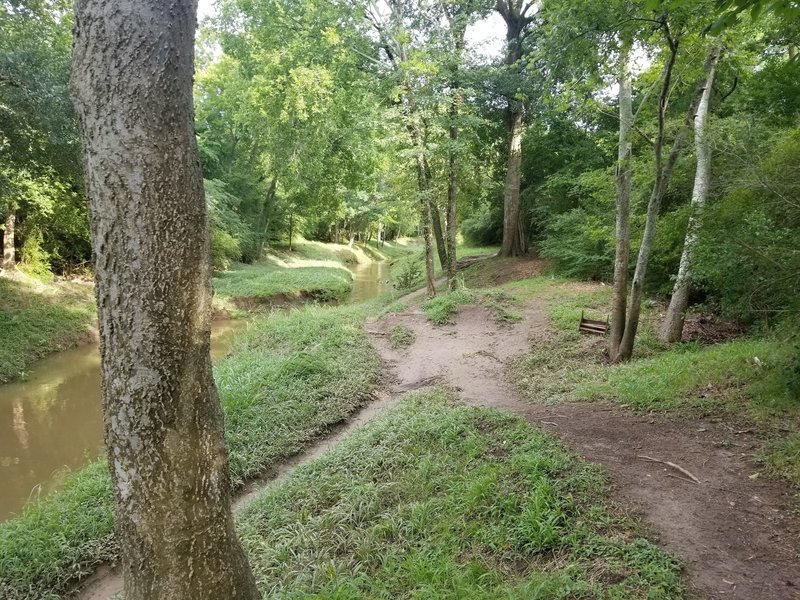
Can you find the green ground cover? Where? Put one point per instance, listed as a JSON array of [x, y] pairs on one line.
[[289, 377], [37, 318], [437, 501], [746, 380]]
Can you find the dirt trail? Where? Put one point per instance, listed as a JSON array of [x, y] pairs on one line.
[[736, 535]]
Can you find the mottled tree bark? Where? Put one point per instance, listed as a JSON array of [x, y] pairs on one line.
[[619, 299], [672, 328], [132, 85], [9, 254]]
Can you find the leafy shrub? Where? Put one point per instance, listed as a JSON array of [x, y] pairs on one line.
[[408, 273], [484, 225], [35, 260], [225, 249]]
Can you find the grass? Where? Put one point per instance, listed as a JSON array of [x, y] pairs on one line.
[[438, 501], [314, 270], [401, 336], [439, 309], [408, 269], [501, 304], [39, 318], [290, 377], [689, 379], [311, 269]]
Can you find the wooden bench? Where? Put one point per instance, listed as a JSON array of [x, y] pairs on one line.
[[593, 326]]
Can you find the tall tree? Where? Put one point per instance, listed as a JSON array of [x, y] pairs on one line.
[[518, 16], [132, 87], [624, 170], [663, 174], [672, 328]]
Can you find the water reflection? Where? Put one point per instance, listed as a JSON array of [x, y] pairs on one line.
[[53, 422], [369, 280]]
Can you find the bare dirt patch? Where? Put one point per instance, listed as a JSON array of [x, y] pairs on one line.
[[737, 535], [497, 271]]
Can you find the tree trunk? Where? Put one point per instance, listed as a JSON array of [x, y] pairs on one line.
[[619, 299], [425, 203], [438, 233], [452, 197], [458, 28], [263, 215], [663, 176], [132, 86], [436, 219], [9, 254], [291, 230], [514, 240], [672, 328]]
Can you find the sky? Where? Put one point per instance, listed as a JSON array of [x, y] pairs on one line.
[[485, 38]]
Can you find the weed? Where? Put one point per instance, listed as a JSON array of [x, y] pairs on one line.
[[439, 309], [401, 336]]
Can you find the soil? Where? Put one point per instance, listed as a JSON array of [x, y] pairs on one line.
[[737, 536]]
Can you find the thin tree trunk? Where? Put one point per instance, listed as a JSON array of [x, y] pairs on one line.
[[663, 175], [263, 215], [9, 254], [438, 233], [132, 86], [619, 299], [514, 241], [672, 328], [291, 229], [458, 27], [452, 197], [425, 203]]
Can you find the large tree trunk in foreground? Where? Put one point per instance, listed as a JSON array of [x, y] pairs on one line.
[[9, 254], [514, 239], [132, 86], [619, 299], [672, 328], [664, 172]]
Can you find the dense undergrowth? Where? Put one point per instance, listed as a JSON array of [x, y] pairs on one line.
[[435, 500], [37, 318]]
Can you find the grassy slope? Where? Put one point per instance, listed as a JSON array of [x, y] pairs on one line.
[[311, 367], [438, 501], [39, 318], [687, 379], [311, 268]]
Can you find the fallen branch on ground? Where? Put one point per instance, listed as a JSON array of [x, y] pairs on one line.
[[670, 464]]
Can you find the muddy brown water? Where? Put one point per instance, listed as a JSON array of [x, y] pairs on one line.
[[52, 423]]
